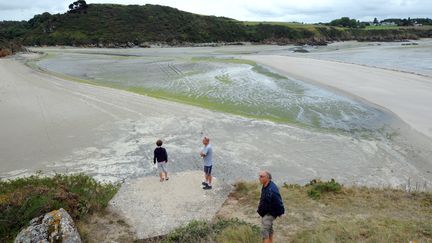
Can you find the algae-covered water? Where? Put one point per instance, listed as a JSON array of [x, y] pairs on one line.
[[217, 80]]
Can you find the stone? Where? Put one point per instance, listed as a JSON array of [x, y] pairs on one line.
[[55, 226]]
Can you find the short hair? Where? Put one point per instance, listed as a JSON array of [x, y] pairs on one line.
[[206, 138], [268, 175], [159, 142]]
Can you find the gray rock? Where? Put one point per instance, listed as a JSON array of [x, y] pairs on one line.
[[55, 226]]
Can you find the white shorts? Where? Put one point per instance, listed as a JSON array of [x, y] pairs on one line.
[[162, 167]]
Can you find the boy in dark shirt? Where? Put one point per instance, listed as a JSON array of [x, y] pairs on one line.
[[161, 157]]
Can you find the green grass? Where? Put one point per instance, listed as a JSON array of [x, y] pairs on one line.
[[287, 24], [26, 198], [375, 230], [382, 27], [220, 230], [340, 214], [319, 187]]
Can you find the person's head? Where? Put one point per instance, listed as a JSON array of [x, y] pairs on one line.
[[264, 177], [206, 140], [159, 143]]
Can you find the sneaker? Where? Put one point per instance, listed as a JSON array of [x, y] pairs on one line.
[[166, 178], [207, 187], [204, 183]]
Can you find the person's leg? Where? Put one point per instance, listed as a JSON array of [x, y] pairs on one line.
[[165, 171], [267, 228], [209, 179], [160, 169], [209, 176], [205, 182]]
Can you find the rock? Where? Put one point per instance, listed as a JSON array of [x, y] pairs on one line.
[[301, 50], [55, 226], [153, 208]]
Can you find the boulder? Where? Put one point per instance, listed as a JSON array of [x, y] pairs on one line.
[[55, 226]]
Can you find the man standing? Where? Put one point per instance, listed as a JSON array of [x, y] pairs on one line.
[[207, 155], [270, 205]]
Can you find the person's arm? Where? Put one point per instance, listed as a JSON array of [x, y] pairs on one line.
[[154, 157], [277, 203], [263, 207], [166, 156], [204, 152]]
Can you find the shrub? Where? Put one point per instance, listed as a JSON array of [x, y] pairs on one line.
[[26, 198], [231, 230], [319, 187], [239, 234]]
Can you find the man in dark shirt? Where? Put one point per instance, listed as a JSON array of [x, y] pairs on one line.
[[161, 157], [270, 205]]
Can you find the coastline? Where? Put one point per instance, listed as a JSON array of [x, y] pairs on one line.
[[125, 126], [390, 91]]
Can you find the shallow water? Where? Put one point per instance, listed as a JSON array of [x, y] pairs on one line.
[[220, 82], [412, 56]]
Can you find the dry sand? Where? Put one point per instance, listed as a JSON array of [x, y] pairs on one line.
[[407, 95]]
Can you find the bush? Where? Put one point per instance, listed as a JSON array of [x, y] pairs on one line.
[[319, 188], [232, 230], [26, 198], [240, 234]]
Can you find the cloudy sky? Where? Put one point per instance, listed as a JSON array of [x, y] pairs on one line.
[[308, 11]]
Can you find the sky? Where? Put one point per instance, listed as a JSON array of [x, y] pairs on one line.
[[307, 11]]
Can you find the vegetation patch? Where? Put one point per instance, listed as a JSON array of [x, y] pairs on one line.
[[317, 188], [23, 199], [342, 213], [232, 230]]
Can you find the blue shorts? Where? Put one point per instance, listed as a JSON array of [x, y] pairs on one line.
[[208, 169]]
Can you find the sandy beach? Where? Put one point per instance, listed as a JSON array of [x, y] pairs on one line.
[[406, 95], [56, 125]]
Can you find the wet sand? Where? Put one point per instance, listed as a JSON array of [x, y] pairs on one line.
[[406, 95], [55, 125]]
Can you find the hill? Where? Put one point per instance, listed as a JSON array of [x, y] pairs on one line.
[[110, 25]]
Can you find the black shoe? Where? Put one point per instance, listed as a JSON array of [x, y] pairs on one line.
[[207, 187], [204, 183]]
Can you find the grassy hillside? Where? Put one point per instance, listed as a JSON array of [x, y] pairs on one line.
[[318, 212], [113, 25], [329, 212]]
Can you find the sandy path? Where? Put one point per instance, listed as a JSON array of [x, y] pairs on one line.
[[407, 95], [155, 208], [53, 124]]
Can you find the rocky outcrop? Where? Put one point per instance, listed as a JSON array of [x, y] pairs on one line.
[[55, 226]]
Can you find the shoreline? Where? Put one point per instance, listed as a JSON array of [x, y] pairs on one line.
[[133, 122], [311, 70]]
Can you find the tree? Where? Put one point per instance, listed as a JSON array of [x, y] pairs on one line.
[[77, 6], [375, 21], [345, 22]]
